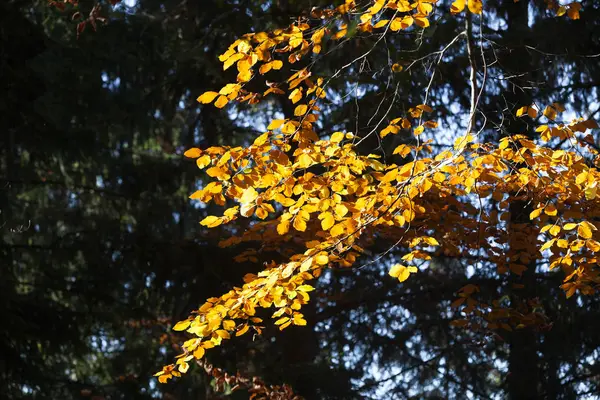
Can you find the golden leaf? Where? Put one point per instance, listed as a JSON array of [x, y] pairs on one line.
[[550, 113], [182, 325], [401, 272], [249, 195], [337, 137], [199, 352], [458, 6], [296, 95], [221, 102], [327, 220], [228, 325], [337, 230], [243, 330], [262, 139], [203, 161], [381, 23], [397, 68], [423, 23], [585, 230], [276, 123], [475, 6], [322, 259], [183, 367], [300, 110], [283, 227], [211, 221], [245, 75], [527, 110], [194, 152], [299, 224], [536, 213], [207, 97]]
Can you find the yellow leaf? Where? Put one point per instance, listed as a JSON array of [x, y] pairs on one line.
[[265, 68], [327, 220], [407, 21], [296, 95], [245, 75], [418, 130], [570, 226], [395, 270], [337, 137], [381, 23], [249, 195], [547, 245], [183, 367], [228, 324], [581, 178], [211, 221], [475, 6], [207, 97], [194, 152], [550, 113], [555, 230], [199, 353], [593, 245], [229, 89], [458, 6], [337, 230], [231, 60], [283, 227], [401, 272], [304, 161], [299, 224], [340, 210], [397, 68], [585, 229], [262, 139], [300, 110], [203, 161], [298, 320], [244, 329], [550, 210], [276, 123], [431, 241], [223, 334], [423, 23], [389, 176], [305, 288], [403, 150], [396, 25], [462, 141], [536, 213], [277, 64], [182, 325], [221, 102], [425, 108], [322, 259]]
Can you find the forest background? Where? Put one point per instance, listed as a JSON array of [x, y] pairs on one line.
[[101, 248]]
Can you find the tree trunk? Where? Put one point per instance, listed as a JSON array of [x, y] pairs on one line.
[[523, 370]]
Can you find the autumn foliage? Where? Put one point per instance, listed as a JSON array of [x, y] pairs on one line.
[[319, 202]]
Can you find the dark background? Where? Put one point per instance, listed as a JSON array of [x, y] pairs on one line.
[[101, 250]]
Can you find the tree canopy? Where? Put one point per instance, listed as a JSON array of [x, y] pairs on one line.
[[509, 191]]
